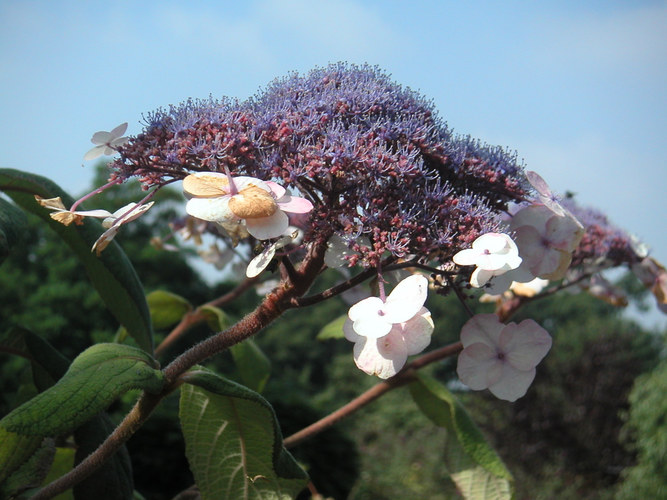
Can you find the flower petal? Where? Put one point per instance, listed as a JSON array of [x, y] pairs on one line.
[[513, 384], [417, 331], [93, 153], [406, 299], [525, 344], [211, 209], [383, 357], [484, 328], [294, 204], [265, 228], [259, 263], [474, 364]]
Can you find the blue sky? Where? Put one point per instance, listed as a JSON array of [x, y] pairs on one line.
[[579, 89]]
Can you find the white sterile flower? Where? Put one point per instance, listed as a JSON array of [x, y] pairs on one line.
[[493, 253], [107, 143], [261, 207], [546, 240], [66, 217], [386, 333], [501, 358]]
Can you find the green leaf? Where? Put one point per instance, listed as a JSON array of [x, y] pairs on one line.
[[333, 329], [233, 441], [63, 462], [166, 308], [252, 364], [216, 318], [111, 273], [94, 380], [474, 466], [32, 473], [12, 224]]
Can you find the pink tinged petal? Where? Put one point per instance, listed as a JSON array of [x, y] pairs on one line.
[[564, 259], [417, 332], [533, 215], [211, 209], [350, 334], [277, 190], [265, 228], [294, 204], [484, 328], [513, 384], [525, 344], [474, 365], [538, 183], [564, 233], [406, 299], [383, 357]]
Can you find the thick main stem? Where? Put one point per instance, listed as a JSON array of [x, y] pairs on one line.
[[272, 307]]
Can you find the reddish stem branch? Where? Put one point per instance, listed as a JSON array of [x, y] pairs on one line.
[[402, 378]]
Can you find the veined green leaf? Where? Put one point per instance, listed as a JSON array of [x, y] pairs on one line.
[[233, 442], [473, 465], [333, 329], [31, 473], [94, 380], [111, 273], [12, 224], [166, 308], [252, 364]]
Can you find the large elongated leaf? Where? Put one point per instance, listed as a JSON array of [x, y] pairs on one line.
[[473, 465], [94, 380], [233, 442], [111, 273], [12, 223]]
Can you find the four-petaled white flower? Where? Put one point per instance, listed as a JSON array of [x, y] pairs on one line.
[[260, 207], [386, 333], [107, 143], [493, 253], [546, 240], [501, 358]]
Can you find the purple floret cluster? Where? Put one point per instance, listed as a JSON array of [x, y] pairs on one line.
[[602, 243], [372, 156]]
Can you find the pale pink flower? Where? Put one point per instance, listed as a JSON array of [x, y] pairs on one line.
[[261, 207], [501, 358], [546, 240], [386, 333], [546, 197], [107, 143], [113, 223]]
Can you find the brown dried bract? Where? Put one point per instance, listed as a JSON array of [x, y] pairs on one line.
[[253, 203], [205, 186]]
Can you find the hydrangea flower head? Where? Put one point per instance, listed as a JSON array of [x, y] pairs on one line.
[[501, 358], [373, 158]]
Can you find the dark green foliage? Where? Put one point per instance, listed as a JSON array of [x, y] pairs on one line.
[[647, 429]]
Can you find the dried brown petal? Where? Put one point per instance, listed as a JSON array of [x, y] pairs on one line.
[[253, 203]]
